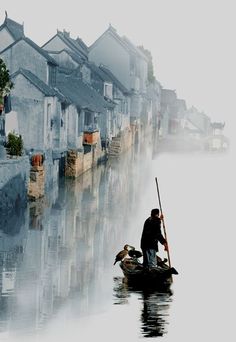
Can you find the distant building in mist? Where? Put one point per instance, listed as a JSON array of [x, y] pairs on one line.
[[130, 66]]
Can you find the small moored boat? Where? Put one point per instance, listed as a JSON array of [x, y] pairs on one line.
[[136, 274]]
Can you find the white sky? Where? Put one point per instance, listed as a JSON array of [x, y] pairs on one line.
[[192, 41]]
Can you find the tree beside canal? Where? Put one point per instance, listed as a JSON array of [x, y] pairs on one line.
[[5, 83]]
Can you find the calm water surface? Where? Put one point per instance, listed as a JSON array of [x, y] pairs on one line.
[[57, 279]]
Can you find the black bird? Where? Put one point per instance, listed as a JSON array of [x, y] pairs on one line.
[[135, 254]]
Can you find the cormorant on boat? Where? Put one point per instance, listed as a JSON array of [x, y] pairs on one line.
[[137, 274], [133, 253], [122, 254]]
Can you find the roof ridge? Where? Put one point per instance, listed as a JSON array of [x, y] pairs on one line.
[[67, 39], [111, 30]]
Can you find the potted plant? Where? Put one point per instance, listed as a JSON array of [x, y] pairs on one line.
[[14, 145]]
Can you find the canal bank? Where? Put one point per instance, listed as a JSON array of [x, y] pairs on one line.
[[31, 177]]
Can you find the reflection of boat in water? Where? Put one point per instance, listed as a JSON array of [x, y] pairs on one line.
[[155, 305]]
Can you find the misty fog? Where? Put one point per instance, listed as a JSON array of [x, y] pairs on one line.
[[72, 290]]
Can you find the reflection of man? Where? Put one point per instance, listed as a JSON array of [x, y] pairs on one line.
[[154, 313], [150, 237]]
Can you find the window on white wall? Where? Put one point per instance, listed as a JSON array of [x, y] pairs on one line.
[[63, 114], [80, 123], [51, 75], [88, 118], [108, 90], [49, 110]]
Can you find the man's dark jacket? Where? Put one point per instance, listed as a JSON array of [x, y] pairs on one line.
[[152, 234]]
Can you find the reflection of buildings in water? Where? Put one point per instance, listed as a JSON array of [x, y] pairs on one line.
[[121, 291], [36, 211], [13, 237], [68, 245], [154, 314], [11, 223]]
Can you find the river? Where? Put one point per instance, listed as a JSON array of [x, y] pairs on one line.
[[57, 278]]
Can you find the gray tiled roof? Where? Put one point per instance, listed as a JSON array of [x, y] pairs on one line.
[[74, 56], [114, 80], [43, 87], [77, 45], [79, 93], [107, 76], [36, 47], [65, 70], [218, 125], [41, 51], [16, 30], [95, 69], [78, 59]]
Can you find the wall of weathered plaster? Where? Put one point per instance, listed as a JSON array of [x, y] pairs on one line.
[[24, 55], [5, 39], [117, 60], [30, 112]]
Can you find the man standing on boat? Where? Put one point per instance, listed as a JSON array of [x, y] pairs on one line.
[[150, 237]]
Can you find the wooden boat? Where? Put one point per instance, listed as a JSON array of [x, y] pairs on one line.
[[136, 274]]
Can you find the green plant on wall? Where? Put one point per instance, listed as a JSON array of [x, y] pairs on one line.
[[14, 145], [5, 81]]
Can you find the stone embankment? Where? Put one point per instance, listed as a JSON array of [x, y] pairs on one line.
[[121, 143], [79, 162]]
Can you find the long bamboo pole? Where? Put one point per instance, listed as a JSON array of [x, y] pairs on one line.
[[163, 223]]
